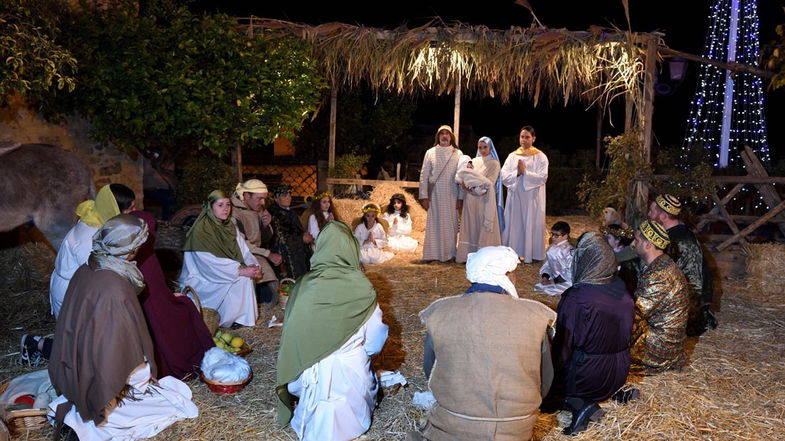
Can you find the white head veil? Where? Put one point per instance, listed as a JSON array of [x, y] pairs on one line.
[[490, 265]]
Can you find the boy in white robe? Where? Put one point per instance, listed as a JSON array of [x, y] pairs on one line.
[[556, 272]]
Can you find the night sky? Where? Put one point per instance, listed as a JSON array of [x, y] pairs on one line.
[[684, 23]]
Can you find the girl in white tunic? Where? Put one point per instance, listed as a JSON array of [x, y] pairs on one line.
[[110, 201], [372, 237], [218, 265], [400, 221], [524, 174], [323, 211]]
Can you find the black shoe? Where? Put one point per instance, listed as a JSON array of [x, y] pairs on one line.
[[709, 321], [623, 396], [580, 419], [236, 325]]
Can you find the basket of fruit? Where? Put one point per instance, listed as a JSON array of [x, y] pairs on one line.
[[231, 343], [284, 289], [226, 388], [210, 316]]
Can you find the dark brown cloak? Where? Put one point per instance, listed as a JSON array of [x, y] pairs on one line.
[[100, 338]]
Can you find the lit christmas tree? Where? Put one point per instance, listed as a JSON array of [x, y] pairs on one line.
[[727, 111]]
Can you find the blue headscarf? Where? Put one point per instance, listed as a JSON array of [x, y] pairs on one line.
[[499, 198]]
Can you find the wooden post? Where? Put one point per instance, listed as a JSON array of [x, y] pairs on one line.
[[629, 108], [456, 124], [648, 94], [598, 144], [751, 227], [333, 118], [237, 161]]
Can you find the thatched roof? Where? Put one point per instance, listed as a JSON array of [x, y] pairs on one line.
[[556, 65]]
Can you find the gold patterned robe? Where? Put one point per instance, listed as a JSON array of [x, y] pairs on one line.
[[661, 310]]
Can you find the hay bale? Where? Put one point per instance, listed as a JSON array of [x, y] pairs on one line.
[[26, 267], [382, 193], [764, 262], [349, 209]]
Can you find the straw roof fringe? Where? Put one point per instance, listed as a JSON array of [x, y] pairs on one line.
[[555, 65]]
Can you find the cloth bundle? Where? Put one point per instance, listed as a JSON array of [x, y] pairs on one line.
[[36, 384], [219, 365]]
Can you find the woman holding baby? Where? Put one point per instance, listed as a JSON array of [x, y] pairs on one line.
[[479, 180]]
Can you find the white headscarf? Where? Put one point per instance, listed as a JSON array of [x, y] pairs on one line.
[[490, 265], [250, 186]]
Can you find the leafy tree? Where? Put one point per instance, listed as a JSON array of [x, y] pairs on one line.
[[171, 81], [774, 54], [33, 62], [366, 123]]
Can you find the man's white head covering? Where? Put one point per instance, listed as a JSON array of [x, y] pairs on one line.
[[490, 265], [250, 186]]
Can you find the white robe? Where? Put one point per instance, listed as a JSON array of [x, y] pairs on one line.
[[441, 227], [479, 217], [400, 228], [157, 408], [372, 252], [338, 394], [73, 253], [558, 262], [313, 226], [524, 213], [219, 286]]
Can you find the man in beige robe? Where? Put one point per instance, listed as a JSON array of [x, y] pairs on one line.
[[439, 196], [488, 379], [253, 222]]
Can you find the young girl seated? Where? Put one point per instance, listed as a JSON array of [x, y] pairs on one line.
[[556, 272], [397, 216], [619, 239], [321, 204], [372, 237]]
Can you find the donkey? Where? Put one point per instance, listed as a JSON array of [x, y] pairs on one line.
[[42, 184]]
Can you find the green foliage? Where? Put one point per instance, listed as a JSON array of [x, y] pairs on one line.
[[688, 177], [33, 61], [627, 161], [202, 174], [346, 166], [365, 123], [774, 55], [181, 81]]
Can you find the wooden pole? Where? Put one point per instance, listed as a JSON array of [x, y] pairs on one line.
[[629, 108], [648, 94], [237, 161], [598, 143], [751, 227], [333, 118], [456, 124]]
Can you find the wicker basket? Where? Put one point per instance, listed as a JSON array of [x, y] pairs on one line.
[[283, 295], [210, 316], [226, 388], [20, 421]]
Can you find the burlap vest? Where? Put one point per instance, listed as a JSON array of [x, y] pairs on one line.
[[486, 379]]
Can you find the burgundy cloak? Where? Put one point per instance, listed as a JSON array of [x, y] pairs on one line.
[[179, 334]]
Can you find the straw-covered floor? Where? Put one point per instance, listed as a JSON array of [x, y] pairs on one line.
[[733, 388]]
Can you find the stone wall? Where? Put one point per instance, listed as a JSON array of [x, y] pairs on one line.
[[108, 164]]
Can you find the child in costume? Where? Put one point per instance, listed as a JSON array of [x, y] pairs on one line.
[[321, 204], [397, 216], [372, 237], [556, 272]]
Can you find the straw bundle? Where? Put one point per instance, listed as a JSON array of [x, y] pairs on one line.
[[764, 267], [26, 266]]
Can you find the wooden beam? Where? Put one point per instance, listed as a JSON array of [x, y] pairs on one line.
[[728, 218], [732, 66], [725, 199], [404, 184], [333, 118], [456, 115], [748, 179], [767, 191], [738, 218], [650, 77], [751, 227]]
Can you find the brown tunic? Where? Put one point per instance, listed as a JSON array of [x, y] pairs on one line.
[[100, 337], [487, 376]]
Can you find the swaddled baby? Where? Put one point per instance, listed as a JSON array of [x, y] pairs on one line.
[[474, 181]]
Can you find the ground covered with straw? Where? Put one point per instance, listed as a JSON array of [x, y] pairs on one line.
[[732, 389]]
